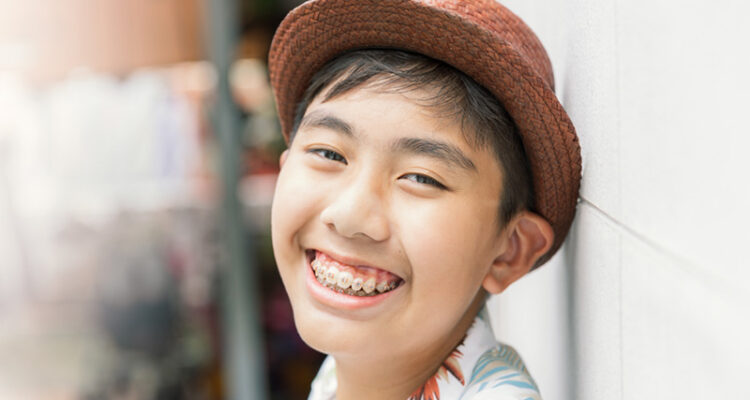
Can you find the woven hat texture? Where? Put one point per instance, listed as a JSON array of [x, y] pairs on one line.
[[479, 37]]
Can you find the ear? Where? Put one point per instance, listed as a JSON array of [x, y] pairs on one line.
[[526, 238], [282, 158]]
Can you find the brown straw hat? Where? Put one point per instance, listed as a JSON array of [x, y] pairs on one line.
[[479, 37]]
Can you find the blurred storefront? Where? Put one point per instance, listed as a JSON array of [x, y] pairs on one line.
[[111, 253]]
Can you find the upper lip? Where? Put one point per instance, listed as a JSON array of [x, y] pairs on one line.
[[349, 260]]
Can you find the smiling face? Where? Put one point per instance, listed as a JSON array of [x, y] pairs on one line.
[[377, 186]]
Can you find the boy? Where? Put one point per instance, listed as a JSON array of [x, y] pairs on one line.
[[429, 164]]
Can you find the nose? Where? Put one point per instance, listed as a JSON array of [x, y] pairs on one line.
[[358, 211]]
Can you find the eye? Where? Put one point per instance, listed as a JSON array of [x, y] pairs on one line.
[[329, 154], [425, 180]]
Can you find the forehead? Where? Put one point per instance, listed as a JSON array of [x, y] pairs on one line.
[[373, 105], [429, 105]]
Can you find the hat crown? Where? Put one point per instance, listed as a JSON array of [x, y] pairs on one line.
[[498, 20]]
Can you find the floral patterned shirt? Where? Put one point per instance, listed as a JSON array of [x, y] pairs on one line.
[[495, 371]]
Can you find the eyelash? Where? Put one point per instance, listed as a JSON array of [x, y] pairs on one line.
[[418, 178], [329, 155], [426, 180]]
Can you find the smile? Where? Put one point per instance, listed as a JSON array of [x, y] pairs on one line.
[[359, 281]]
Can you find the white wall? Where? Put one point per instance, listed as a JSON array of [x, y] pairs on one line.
[[651, 298]]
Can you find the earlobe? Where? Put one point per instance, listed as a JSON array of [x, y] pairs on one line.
[[528, 238], [282, 158]]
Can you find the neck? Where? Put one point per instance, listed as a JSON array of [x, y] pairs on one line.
[[396, 376], [378, 380]]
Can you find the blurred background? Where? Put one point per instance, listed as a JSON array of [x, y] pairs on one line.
[[138, 155], [113, 178]]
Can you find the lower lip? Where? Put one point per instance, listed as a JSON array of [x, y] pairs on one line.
[[341, 300]]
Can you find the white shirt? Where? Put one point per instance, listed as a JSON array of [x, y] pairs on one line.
[[496, 372]]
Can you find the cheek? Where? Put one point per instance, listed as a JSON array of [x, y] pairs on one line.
[[447, 246], [294, 203]]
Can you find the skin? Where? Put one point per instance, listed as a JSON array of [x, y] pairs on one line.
[[351, 184]]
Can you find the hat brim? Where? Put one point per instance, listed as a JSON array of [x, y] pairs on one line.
[[318, 31]]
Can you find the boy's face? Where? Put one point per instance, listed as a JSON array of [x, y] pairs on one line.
[[374, 179]]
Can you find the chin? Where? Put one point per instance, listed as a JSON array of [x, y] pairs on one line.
[[324, 335], [332, 335]]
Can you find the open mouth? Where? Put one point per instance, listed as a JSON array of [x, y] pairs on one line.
[[353, 280]]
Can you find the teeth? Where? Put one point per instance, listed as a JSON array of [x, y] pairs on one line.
[[331, 275], [345, 282], [344, 279], [369, 285]]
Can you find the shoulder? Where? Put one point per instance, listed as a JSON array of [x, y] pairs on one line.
[[500, 374]]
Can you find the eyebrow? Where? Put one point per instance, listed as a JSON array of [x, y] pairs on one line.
[[425, 147], [322, 120], [435, 149]]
